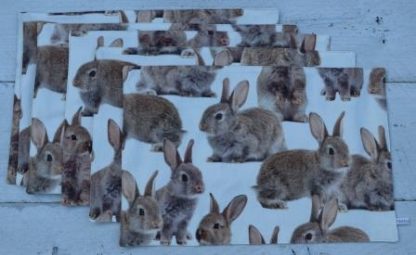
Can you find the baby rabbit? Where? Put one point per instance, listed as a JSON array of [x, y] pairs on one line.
[[210, 16], [101, 81], [178, 199], [215, 227], [294, 174], [140, 223], [239, 136], [347, 81], [377, 86], [78, 155], [282, 90], [151, 119], [45, 168], [256, 238], [317, 230], [369, 183], [51, 68], [105, 198], [279, 57]]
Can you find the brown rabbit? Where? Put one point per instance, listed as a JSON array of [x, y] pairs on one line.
[[105, 201], [77, 151], [24, 150], [46, 167], [30, 33], [377, 86], [317, 229], [279, 57], [256, 238], [282, 90], [14, 142], [347, 81], [210, 16], [101, 81], [51, 68]]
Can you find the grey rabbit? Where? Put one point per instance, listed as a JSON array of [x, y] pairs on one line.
[[256, 238], [282, 90], [142, 220], [317, 230], [151, 119], [178, 199], [52, 68], [101, 81], [45, 168], [210, 16], [294, 174], [377, 86], [347, 81], [78, 156], [238, 136], [369, 184], [279, 57], [105, 194], [215, 227]]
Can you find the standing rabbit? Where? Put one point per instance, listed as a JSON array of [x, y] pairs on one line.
[[141, 222], [347, 81], [239, 136], [105, 198], [215, 227], [377, 86], [317, 229], [78, 155], [294, 174], [178, 199], [282, 90], [46, 167], [151, 119], [52, 68], [256, 238], [279, 57], [369, 183], [101, 81]]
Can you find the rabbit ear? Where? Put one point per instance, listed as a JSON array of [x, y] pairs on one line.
[[125, 71], [188, 153], [123, 17], [239, 95], [369, 143], [317, 126], [117, 43], [225, 90], [214, 207], [316, 208], [129, 186], [76, 119], [38, 133], [39, 27], [254, 236], [235, 208], [382, 137], [338, 127], [149, 190], [329, 214], [293, 44], [308, 43], [172, 157], [100, 42], [275, 235], [223, 58], [59, 134], [114, 135], [199, 60]]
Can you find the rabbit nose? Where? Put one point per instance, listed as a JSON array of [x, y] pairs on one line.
[[199, 188], [76, 82], [202, 127], [224, 41], [344, 163]]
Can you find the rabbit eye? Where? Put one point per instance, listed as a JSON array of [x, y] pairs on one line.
[[49, 158], [389, 165], [331, 151], [216, 226], [218, 116], [308, 236], [92, 73], [184, 178], [73, 137], [141, 212]]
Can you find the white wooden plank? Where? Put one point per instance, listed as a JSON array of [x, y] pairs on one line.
[[40, 229], [352, 25]]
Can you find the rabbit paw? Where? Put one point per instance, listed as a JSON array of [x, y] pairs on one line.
[[274, 204], [164, 242], [301, 117], [355, 92], [330, 97], [214, 158], [208, 94], [188, 53], [345, 98]]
